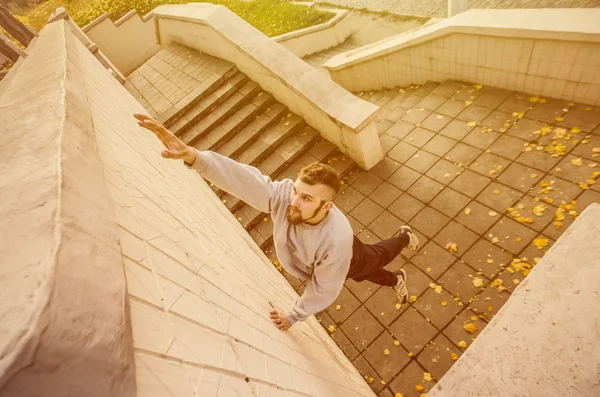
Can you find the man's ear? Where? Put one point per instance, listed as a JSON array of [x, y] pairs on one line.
[[327, 206]]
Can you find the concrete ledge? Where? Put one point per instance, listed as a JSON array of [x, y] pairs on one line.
[[511, 49], [64, 323], [342, 118], [318, 38], [543, 342]]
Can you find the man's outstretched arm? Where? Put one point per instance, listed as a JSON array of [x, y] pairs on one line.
[[241, 180]]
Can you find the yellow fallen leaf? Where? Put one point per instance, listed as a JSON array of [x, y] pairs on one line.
[[371, 380], [516, 281], [453, 356], [427, 377], [444, 303], [559, 119], [497, 191], [287, 123], [474, 318], [428, 270], [398, 306], [410, 354], [382, 382], [438, 289], [462, 344], [386, 352], [413, 298], [477, 282], [338, 307], [578, 162], [451, 247], [490, 260], [467, 103], [497, 282], [534, 99], [342, 182], [397, 343], [492, 213], [446, 175], [478, 86], [331, 328], [470, 328], [472, 124], [398, 395], [467, 211], [439, 117], [540, 242], [575, 130], [419, 387], [434, 360]]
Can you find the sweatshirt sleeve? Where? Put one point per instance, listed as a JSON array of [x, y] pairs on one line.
[[324, 286], [240, 180]]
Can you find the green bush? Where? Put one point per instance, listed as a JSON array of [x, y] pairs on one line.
[[272, 17]]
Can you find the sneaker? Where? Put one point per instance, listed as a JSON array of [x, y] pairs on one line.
[[413, 244], [400, 287]]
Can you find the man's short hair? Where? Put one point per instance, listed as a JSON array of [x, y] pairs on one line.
[[319, 173]]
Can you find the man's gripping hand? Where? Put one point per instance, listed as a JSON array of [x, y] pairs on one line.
[[175, 147]]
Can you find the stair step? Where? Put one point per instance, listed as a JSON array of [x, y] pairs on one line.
[[184, 126], [207, 87], [322, 149], [235, 123]]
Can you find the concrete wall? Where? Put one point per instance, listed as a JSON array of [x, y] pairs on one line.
[[80, 177], [554, 53], [544, 340], [341, 117], [128, 42]]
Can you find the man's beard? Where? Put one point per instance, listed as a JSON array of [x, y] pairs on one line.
[[294, 217]]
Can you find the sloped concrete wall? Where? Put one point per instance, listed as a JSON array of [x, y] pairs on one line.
[[197, 286]]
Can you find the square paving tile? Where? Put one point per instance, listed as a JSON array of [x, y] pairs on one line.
[[348, 304], [561, 190], [519, 177], [525, 128], [344, 343], [436, 357], [385, 168], [499, 121], [400, 129], [387, 143], [367, 236], [470, 183], [406, 207], [456, 332], [348, 199], [498, 201], [458, 279], [429, 221], [361, 328], [417, 281], [489, 302], [366, 211], [402, 152], [456, 129], [575, 173], [533, 254], [382, 126], [489, 165], [366, 182], [508, 147], [404, 177], [474, 113], [385, 194], [418, 137], [362, 290], [555, 232], [432, 102], [365, 369], [516, 102], [487, 258], [492, 97], [447, 88], [525, 208], [387, 366], [422, 161], [478, 218], [513, 235], [444, 171], [408, 378], [467, 93], [454, 232], [538, 159], [425, 189], [585, 148], [481, 138], [357, 227], [588, 197], [549, 111], [386, 225], [451, 108], [382, 305], [439, 145], [434, 258], [416, 115], [449, 202], [412, 330], [587, 118], [431, 305], [463, 154], [435, 122]]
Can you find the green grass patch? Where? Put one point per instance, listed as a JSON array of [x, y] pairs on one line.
[[272, 17]]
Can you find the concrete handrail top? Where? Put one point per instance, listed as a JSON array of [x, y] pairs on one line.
[[340, 15], [340, 105], [551, 24]]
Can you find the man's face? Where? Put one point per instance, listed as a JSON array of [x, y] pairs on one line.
[[307, 202]]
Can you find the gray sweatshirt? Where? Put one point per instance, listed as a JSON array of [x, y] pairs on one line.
[[319, 253]]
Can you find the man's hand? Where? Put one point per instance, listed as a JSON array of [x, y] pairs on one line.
[[176, 148], [280, 320]]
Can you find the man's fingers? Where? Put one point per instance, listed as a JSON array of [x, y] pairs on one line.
[[170, 155]]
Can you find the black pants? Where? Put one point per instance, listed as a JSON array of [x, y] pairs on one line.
[[369, 260]]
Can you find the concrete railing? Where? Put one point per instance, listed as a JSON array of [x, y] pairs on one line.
[[121, 273], [131, 41], [342, 118], [544, 340], [128, 42], [549, 52]]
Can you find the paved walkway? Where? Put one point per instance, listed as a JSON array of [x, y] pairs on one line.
[[439, 8], [489, 187]]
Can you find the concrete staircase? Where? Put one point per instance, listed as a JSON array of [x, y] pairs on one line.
[[225, 112]]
